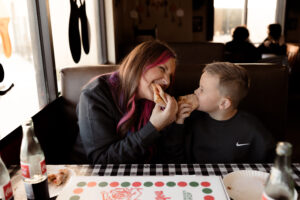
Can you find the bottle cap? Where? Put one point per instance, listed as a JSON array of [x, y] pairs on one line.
[[284, 148]]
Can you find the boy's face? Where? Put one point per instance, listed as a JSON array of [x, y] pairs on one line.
[[208, 93]]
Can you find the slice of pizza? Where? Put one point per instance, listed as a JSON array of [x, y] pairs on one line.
[[159, 95], [59, 178], [189, 99]]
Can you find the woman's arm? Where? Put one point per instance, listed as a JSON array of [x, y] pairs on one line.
[[97, 119]]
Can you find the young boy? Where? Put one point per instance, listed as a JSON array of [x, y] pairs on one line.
[[217, 132]]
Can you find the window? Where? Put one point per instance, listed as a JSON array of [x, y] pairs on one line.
[[21, 101], [36, 49], [255, 14], [23, 61], [260, 15], [228, 15], [67, 27]]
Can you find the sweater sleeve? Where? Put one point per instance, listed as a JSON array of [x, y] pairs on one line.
[[97, 128], [173, 144]]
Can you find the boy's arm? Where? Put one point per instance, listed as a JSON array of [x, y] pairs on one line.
[[184, 111], [173, 144], [175, 136], [174, 139]]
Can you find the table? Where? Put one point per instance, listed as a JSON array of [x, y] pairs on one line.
[[151, 170]]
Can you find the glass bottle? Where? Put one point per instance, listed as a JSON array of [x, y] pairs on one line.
[[33, 165], [280, 184], [6, 191]]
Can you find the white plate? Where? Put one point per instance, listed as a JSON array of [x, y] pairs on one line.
[[53, 189], [245, 184]]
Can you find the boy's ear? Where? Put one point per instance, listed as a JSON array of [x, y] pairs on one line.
[[225, 103]]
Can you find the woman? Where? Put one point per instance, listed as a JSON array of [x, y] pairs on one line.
[[118, 120], [240, 49], [274, 43]]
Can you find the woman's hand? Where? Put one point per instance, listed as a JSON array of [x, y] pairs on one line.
[[160, 118], [184, 111]]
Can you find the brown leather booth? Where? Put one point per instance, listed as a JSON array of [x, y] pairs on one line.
[[74, 78], [198, 52], [56, 124], [267, 98]]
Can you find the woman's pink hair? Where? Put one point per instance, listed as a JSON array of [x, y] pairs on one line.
[[147, 106]]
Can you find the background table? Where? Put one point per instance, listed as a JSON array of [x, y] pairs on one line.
[[152, 170]]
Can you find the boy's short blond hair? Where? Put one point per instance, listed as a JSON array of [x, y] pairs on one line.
[[234, 81]]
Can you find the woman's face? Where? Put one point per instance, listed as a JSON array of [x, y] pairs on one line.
[[160, 74]]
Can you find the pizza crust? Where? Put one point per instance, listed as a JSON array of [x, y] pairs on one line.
[[189, 99], [159, 95]]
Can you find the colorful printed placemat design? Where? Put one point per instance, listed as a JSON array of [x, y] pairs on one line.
[[144, 187]]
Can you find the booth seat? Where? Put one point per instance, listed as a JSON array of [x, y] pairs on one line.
[[267, 98], [198, 52], [56, 125], [190, 52], [74, 78]]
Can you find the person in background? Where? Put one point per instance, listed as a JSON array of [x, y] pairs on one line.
[[240, 49], [274, 43], [218, 132], [118, 120]]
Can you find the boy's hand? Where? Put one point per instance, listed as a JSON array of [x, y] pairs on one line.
[[184, 111], [160, 118]]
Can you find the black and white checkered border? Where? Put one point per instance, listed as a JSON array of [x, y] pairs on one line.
[[171, 169], [179, 169]]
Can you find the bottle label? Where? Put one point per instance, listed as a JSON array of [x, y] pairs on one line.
[[7, 191], [26, 169], [43, 167]]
